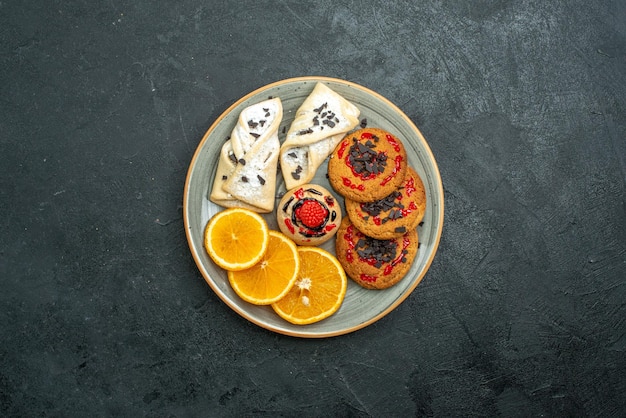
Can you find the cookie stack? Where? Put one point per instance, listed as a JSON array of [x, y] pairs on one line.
[[385, 202]]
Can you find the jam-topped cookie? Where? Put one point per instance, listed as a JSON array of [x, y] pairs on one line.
[[394, 215], [374, 263], [367, 165], [309, 214]]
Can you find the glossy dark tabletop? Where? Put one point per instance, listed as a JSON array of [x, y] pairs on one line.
[[103, 311]]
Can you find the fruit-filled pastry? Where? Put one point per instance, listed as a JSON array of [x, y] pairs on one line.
[[246, 171], [319, 125]]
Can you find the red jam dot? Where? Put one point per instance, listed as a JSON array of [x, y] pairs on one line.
[[412, 207], [409, 186], [368, 278], [311, 213], [393, 143], [342, 149], [290, 226], [396, 169], [349, 238], [405, 244], [348, 183]]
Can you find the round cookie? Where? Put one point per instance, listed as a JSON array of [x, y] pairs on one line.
[[372, 263], [309, 214], [394, 215], [367, 165]]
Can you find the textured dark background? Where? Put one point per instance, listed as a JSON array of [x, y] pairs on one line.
[[104, 313]]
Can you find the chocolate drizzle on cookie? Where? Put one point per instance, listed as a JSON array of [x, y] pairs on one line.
[[376, 251], [365, 161], [387, 204]]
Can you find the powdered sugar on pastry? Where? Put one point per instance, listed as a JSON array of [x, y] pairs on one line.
[[319, 125], [246, 172]]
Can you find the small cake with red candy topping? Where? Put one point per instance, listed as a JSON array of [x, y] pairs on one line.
[[367, 165], [309, 215], [394, 215], [374, 263]]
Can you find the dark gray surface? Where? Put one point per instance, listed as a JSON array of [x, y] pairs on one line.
[[104, 313]]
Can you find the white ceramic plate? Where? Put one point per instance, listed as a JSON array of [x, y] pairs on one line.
[[361, 307]]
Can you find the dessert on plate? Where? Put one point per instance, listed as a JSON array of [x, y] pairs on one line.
[[374, 263], [319, 124], [309, 215], [367, 165], [248, 161], [394, 215]]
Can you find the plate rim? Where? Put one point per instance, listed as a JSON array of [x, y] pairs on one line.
[[186, 204]]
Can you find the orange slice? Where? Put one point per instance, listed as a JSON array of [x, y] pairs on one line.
[[271, 278], [236, 238], [318, 291]]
